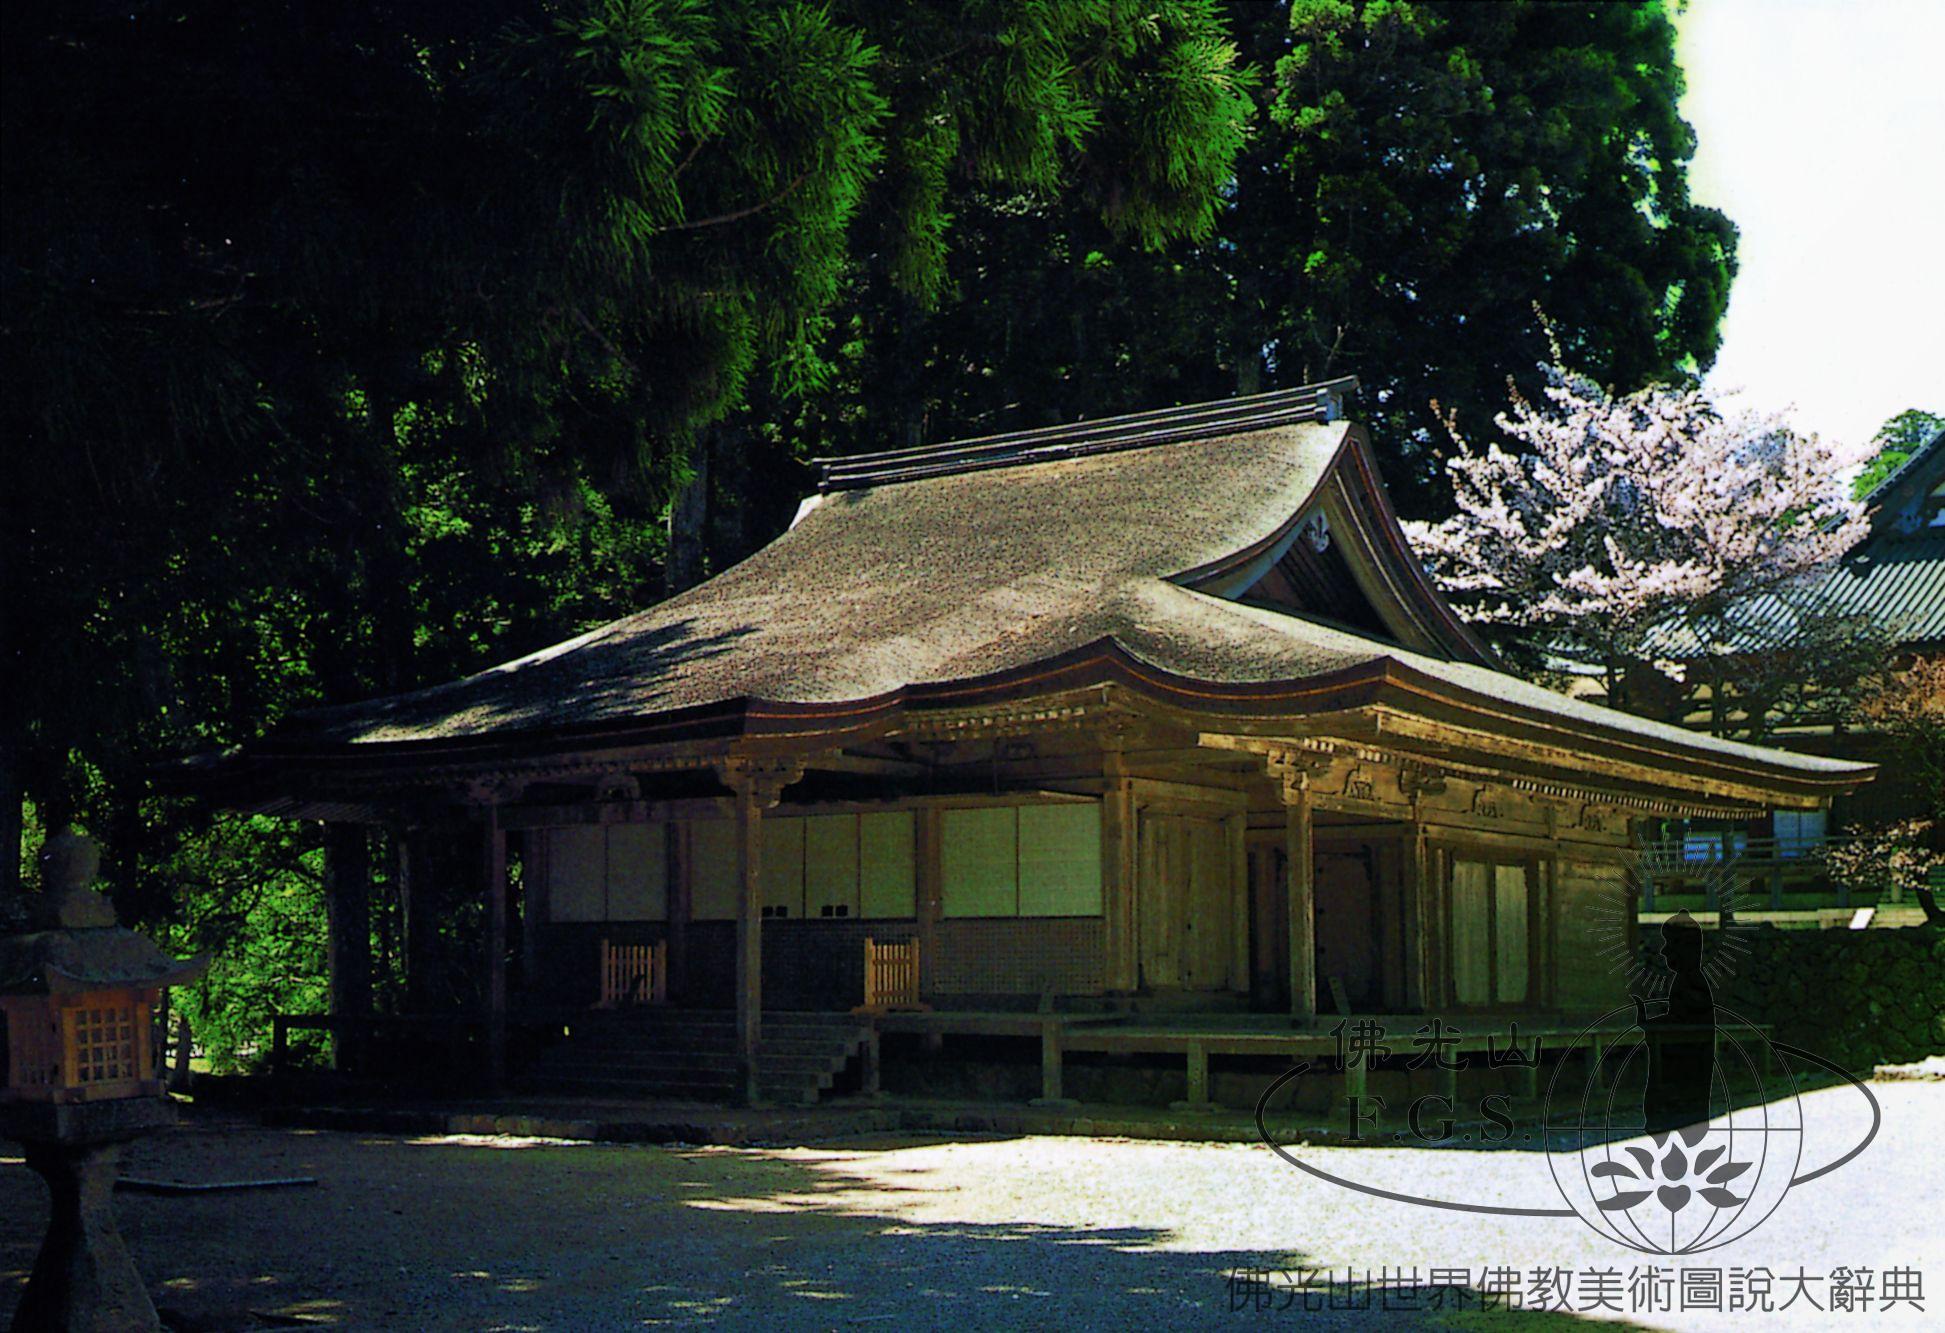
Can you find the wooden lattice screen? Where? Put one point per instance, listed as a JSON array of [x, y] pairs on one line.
[[634, 973], [78, 1048], [891, 975]]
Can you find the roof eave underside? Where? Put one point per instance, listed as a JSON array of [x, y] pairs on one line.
[[1384, 702]]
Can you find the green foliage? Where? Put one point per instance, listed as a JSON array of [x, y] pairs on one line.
[[353, 347], [1420, 176], [1896, 440], [251, 893]]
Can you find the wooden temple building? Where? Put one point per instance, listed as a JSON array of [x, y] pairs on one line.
[[1144, 721]]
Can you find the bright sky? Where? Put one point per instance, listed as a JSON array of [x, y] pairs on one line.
[[1822, 129]]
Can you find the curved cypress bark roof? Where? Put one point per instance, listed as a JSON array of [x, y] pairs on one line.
[[1258, 568], [952, 577]]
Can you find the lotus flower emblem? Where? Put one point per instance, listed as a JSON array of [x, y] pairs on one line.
[[1681, 1177]]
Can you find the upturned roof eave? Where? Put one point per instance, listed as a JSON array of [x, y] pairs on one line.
[[1460, 716]]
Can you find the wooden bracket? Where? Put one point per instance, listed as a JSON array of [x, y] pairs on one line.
[[492, 791], [1296, 769], [762, 780], [1420, 780], [617, 787]]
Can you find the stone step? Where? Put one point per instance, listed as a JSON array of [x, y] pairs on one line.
[[640, 1041], [691, 1054]]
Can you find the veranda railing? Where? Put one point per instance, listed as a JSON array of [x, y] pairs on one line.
[[1713, 870]]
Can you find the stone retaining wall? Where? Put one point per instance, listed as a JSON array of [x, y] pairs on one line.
[[1857, 997]]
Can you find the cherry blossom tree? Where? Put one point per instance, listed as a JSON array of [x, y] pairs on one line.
[[1610, 529]]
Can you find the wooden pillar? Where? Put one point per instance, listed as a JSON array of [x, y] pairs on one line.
[[680, 858], [873, 1086], [347, 904], [1431, 933], [420, 914], [534, 911], [1197, 1072], [1542, 975], [930, 902], [1526, 1078], [1052, 1087], [1118, 883], [494, 853], [749, 941], [1354, 1085], [1236, 834], [1301, 866], [1418, 899], [756, 786]]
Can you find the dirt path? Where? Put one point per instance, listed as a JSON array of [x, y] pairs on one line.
[[961, 1234]]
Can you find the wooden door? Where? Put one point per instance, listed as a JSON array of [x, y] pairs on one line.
[[1347, 931], [1186, 900]]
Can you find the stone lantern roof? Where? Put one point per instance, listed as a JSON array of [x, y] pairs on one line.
[[78, 944]]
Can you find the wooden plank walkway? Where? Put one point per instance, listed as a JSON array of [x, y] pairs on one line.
[[1197, 1037]]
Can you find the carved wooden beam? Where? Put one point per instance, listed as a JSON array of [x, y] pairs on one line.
[[1483, 805], [1294, 765], [1359, 785]]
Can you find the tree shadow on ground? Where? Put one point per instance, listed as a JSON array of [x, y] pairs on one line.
[[453, 1233]]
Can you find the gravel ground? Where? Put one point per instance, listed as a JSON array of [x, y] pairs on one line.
[[455, 1233]]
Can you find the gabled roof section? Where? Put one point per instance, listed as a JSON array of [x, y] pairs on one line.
[[968, 559], [1226, 557], [1343, 560], [1906, 500], [1894, 576], [1340, 559], [959, 573]]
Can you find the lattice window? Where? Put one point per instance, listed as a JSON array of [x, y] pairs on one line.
[[103, 1042]]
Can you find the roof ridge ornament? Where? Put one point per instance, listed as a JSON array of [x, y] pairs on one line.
[[1320, 403]]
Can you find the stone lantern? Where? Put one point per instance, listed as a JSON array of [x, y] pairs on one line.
[[76, 995]]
